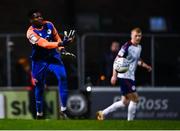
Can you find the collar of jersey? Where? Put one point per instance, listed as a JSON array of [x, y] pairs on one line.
[[38, 28], [133, 44]]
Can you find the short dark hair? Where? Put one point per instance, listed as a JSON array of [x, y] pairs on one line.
[[31, 12]]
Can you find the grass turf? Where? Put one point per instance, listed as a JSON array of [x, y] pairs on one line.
[[13, 124]]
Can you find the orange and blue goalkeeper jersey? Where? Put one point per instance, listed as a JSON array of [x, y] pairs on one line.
[[49, 33]]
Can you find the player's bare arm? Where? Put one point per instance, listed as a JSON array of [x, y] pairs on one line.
[[57, 38], [114, 77], [34, 39], [144, 65]]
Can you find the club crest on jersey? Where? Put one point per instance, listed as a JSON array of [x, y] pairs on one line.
[[49, 31], [133, 88]]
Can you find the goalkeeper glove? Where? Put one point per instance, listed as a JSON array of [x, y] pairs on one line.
[[68, 37]]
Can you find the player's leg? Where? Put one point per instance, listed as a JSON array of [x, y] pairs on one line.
[[38, 72], [129, 90], [39, 89], [132, 105], [60, 74], [100, 115], [120, 104]]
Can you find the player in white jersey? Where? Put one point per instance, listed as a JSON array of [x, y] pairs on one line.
[[131, 50]]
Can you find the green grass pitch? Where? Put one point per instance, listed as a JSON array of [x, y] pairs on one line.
[[14, 124]]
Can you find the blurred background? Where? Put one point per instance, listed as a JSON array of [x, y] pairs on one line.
[[98, 23]]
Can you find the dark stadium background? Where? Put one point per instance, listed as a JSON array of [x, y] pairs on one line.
[[124, 14], [106, 16], [100, 22]]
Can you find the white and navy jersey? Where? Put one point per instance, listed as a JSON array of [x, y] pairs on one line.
[[132, 54]]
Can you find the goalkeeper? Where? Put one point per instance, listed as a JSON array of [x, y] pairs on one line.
[[46, 42]]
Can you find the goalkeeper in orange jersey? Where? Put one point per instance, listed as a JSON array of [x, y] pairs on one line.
[[45, 42]]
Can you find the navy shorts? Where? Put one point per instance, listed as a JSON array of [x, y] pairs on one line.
[[127, 86]]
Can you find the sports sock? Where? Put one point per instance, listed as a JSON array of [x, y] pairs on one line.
[[63, 91], [113, 107], [131, 110], [39, 99]]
